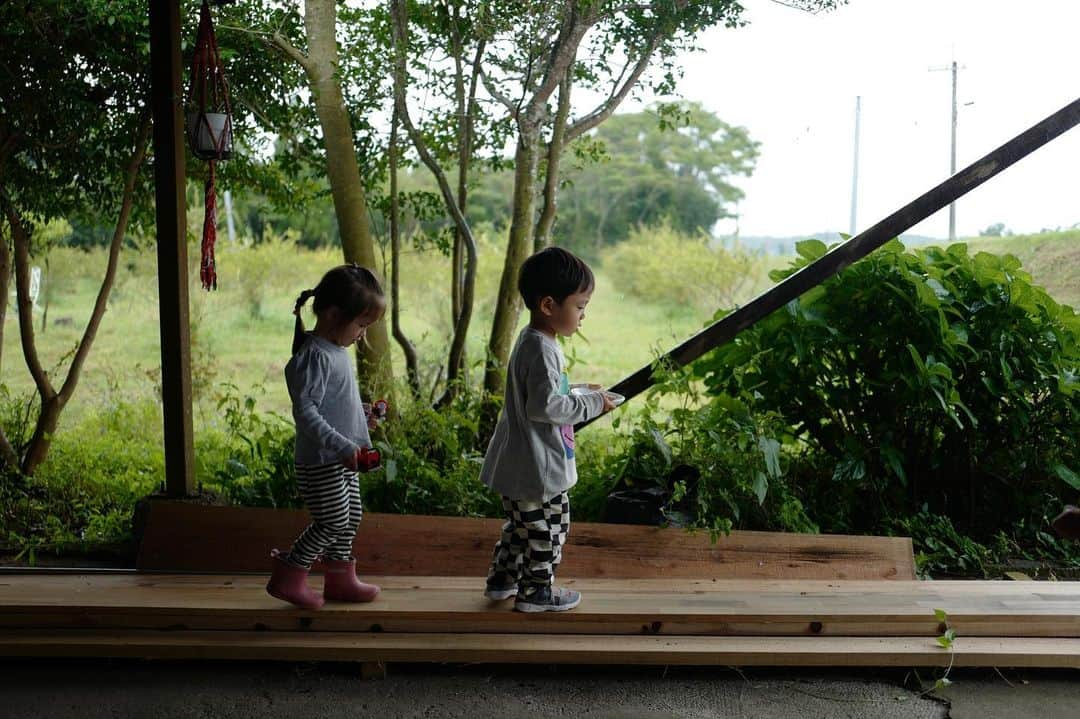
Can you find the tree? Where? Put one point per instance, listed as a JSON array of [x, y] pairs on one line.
[[74, 134], [606, 46], [74, 131], [670, 164], [463, 276], [529, 54], [341, 93], [995, 230]]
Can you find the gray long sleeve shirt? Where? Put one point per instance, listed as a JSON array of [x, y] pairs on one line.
[[531, 453], [330, 422]]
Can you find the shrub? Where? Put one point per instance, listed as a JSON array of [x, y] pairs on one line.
[[719, 463], [262, 270], [85, 491], [659, 264], [928, 377], [254, 462], [431, 462]]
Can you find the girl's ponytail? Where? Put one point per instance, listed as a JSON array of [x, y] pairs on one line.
[[298, 332]]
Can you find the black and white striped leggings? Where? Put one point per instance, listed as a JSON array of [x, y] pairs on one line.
[[332, 495]]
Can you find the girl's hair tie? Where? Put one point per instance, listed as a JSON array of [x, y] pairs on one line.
[[302, 300]]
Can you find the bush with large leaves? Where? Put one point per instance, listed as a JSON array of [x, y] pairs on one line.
[[927, 377]]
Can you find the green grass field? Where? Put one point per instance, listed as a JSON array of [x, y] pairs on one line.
[[241, 334], [1052, 259]]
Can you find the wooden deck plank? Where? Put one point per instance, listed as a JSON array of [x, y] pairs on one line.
[[187, 537], [431, 604], [579, 649]]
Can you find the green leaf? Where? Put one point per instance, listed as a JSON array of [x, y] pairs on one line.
[[761, 487], [770, 448], [916, 359], [895, 461], [941, 615], [811, 249], [661, 444], [1068, 476]]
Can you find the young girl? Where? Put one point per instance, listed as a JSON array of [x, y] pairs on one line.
[[332, 441]]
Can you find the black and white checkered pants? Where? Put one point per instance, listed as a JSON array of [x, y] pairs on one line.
[[530, 547], [332, 495]]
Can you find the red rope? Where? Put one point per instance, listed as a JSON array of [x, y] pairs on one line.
[[209, 92], [208, 266]]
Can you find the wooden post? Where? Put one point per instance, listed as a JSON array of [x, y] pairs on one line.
[[725, 329], [166, 99]]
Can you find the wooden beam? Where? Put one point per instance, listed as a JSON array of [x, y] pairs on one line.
[[375, 649], [181, 536], [658, 607], [166, 99], [857, 247]]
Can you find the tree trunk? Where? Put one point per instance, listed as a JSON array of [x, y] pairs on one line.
[[411, 362], [464, 146], [8, 454], [542, 235], [517, 250], [5, 285], [343, 172], [53, 402], [8, 142], [399, 22]]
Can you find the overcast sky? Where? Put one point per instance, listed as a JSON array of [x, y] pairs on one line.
[[792, 78]]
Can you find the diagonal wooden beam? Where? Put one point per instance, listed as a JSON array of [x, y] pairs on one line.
[[843, 255]]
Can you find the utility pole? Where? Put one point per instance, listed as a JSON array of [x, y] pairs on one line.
[[952, 156], [228, 217], [952, 148], [855, 169]]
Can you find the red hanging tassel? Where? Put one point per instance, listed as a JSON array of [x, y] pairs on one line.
[[207, 265], [212, 141]]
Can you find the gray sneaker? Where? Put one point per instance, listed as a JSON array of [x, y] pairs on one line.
[[500, 587], [548, 599]]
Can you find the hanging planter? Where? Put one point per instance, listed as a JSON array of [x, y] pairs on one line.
[[209, 131], [210, 135]]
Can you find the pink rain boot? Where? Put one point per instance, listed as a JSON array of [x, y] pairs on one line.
[[289, 584], [343, 586]]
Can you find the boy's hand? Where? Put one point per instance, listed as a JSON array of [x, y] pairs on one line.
[[608, 404]]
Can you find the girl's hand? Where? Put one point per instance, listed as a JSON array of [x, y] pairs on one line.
[[350, 460]]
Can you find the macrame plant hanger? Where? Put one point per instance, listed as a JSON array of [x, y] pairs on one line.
[[209, 127]]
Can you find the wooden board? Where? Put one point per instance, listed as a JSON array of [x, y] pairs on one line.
[[199, 538], [544, 649], [610, 606]]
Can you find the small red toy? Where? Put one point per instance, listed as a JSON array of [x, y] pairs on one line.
[[367, 459]]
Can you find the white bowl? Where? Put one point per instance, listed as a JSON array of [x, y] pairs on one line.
[[615, 397]]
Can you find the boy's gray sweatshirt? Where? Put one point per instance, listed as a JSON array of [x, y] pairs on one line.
[[330, 422], [531, 453]]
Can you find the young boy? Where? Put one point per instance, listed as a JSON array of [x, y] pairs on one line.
[[530, 459]]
